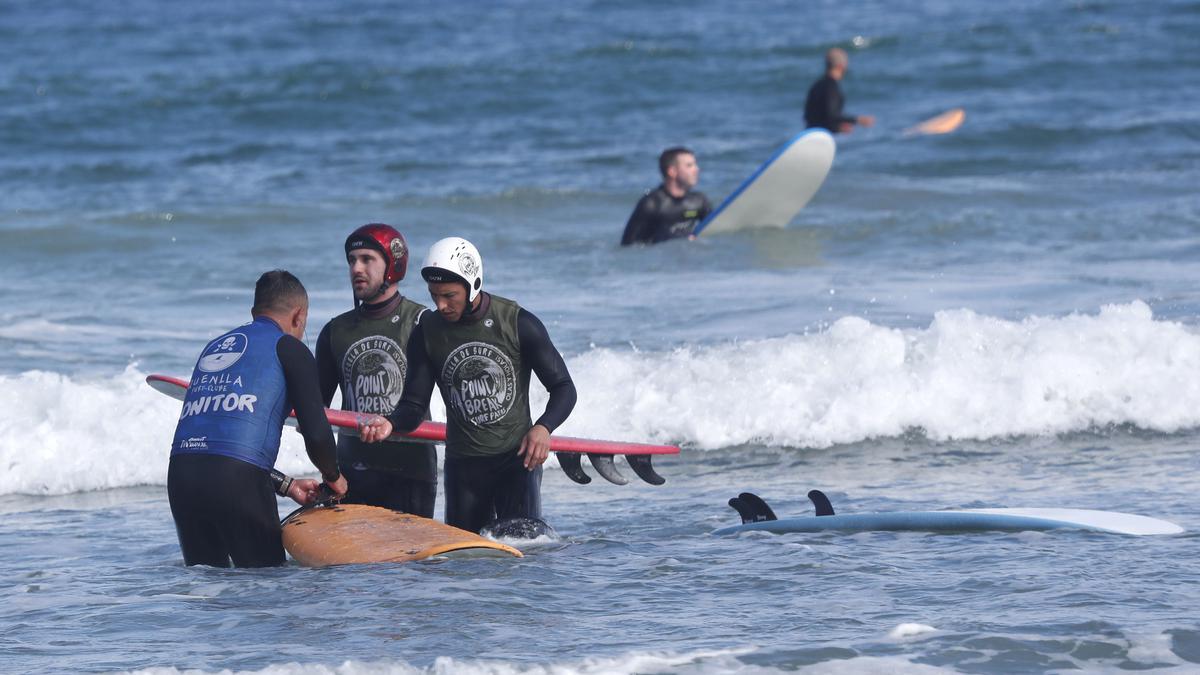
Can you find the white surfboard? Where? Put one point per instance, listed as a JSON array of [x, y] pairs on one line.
[[775, 193], [757, 515], [970, 520]]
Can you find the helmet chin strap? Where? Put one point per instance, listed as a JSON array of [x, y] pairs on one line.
[[382, 288]]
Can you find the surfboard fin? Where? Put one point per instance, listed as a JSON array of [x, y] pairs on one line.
[[605, 466], [572, 466], [820, 503], [644, 469], [752, 508]]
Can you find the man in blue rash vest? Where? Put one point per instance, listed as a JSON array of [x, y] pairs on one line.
[[823, 107], [362, 351], [221, 482], [480, 349], [672, 210]]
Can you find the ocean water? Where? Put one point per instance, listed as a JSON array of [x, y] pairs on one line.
[[1003, 316]]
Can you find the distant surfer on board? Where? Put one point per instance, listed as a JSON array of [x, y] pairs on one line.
[[673, 209], [362, 352], [823, 107], [480, 350], [221, 482]]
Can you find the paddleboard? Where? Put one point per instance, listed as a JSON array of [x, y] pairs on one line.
[[775, 193], [963, 520], [600, 453], [350, 534]]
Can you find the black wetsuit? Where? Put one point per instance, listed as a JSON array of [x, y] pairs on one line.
[[225, 508], [398, 476], [823, 107], [658, 217], [482, 489]]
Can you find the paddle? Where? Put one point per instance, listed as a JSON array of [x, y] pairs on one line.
[[938, 124]]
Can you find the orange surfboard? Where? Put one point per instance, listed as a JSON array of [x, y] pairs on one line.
[[356, 533], [941, 124]]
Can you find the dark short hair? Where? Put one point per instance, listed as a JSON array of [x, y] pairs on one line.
[[278, 291], [668, 157]]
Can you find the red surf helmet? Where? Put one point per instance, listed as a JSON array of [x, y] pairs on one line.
[[388, 241]]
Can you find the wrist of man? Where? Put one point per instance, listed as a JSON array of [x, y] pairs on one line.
[[282, 483]]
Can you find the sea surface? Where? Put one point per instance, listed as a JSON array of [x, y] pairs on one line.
[[1008, 315]]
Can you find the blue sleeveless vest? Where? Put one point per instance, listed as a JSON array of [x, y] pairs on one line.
[[237, 399]]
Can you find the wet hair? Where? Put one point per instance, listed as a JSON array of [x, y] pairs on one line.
[[278, 291], [667, 159]]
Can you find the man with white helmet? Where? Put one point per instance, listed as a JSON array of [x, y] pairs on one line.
[[362, 352], [480, 349]]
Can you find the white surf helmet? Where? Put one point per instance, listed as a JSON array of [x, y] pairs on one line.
[[455, 259]]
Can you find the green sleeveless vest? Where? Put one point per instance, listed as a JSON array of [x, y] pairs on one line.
[[482, 380], [370, 355]]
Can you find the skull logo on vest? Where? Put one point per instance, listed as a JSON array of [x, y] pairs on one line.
[[373, 375], [220, 354], [482, 383]]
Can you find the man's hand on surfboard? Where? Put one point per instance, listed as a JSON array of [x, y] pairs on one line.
[[304, 491], [535, 446], [374, 428], [338, 487]]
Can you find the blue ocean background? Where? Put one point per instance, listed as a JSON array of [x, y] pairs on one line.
[[1004, 316]]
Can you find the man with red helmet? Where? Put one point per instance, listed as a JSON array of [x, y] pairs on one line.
[[363, 353]]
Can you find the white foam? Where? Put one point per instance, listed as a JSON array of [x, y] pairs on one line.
[[905, 631], [893, 665], [966, 376], [697, 663], [59, 435]]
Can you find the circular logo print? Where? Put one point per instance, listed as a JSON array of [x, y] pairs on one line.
[[223, 352], [373, 375], [468, 265], [482, 382]]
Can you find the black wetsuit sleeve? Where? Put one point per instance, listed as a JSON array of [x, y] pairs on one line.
[[640, 227], [327, 370], [418, 385], [538, 353], [300, 373], [705, 210], [832, 107], [836, 102], [823, 108]]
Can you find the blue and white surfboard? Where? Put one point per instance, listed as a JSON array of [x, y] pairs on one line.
[[775, 193], [757, 516]]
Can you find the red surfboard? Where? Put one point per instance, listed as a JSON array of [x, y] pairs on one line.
[[600, 453]]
